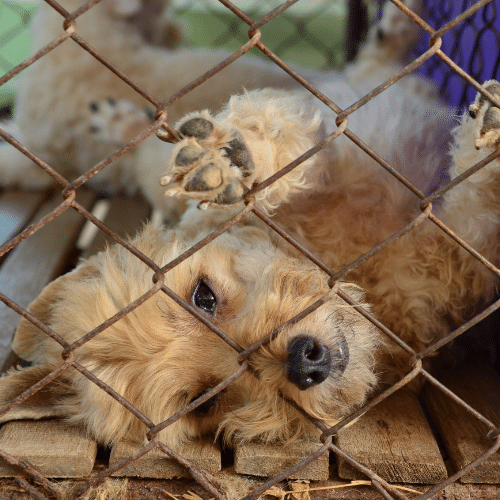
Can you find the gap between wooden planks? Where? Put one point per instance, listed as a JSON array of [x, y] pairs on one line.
[[464, 436]]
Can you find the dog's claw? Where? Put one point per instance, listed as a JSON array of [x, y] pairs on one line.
[[209, 164], [204, 205], [169, 179], [174, 191], [164, 136]]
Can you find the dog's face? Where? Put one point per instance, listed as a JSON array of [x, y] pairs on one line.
[[160, 358]]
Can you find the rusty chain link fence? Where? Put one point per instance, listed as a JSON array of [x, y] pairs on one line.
[[41, 487]]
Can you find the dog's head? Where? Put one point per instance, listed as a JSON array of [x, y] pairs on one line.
[[160, 358]]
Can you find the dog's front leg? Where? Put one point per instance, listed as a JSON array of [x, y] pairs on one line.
[[253, 137], [434, 281], [472, 208]]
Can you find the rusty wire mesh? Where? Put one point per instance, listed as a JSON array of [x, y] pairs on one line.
[[69, 189]]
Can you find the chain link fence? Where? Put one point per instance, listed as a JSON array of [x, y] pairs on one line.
[[434, 55]]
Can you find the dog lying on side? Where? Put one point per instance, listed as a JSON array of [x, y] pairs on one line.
[[247, 282]]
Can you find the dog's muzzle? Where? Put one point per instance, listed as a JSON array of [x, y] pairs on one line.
[[310, 362]]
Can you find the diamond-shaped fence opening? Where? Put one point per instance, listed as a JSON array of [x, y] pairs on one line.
[[298, 33]]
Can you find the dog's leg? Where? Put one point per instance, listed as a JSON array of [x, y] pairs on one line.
[[115, 122], [472, 207], [425, 283], [256, 135]]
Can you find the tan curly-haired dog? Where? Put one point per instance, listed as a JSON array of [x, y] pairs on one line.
[[248, 281]]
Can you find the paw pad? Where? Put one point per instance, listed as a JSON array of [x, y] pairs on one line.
[[209, 164], [207, 178], [239, 155], [188, 154], [199, 128]]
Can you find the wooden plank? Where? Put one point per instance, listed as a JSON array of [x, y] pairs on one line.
[[463, 435], [49, 446], [258, 459], [36, 261], [125, 216], [394, 440], [156, 465], [16, 209]]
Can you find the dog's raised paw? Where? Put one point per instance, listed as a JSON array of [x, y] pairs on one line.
[[117, 121], [209, 163], [487, 117]]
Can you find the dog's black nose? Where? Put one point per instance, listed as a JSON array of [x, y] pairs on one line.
[[309, 362]]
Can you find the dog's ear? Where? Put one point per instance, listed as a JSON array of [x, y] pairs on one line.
[[30, 342], [42, 404], [33, 345]]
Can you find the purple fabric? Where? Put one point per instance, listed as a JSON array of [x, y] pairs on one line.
[[474, 45]]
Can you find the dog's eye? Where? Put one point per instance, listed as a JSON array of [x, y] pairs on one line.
[[204, 298]]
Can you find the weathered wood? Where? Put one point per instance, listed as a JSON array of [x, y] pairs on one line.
[[156, 464], [16, 209], [35, 262], [49, 446], [125, 216], [394, 440], [464, 436], [258, 459]]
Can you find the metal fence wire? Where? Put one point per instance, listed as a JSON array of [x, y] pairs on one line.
[[41, 487]]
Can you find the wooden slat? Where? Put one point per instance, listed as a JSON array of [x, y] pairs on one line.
[[258, 459], [48, 446], [394, 440], [156, 465], [464, 435], [35, 262], [125, 216], [16, 209]]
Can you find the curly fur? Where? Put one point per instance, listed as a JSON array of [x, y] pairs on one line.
[[340, 203]]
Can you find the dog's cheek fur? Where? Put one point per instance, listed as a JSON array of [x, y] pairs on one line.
[[289, 288]]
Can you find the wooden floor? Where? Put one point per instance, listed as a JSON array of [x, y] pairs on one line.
[[405, 440]]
